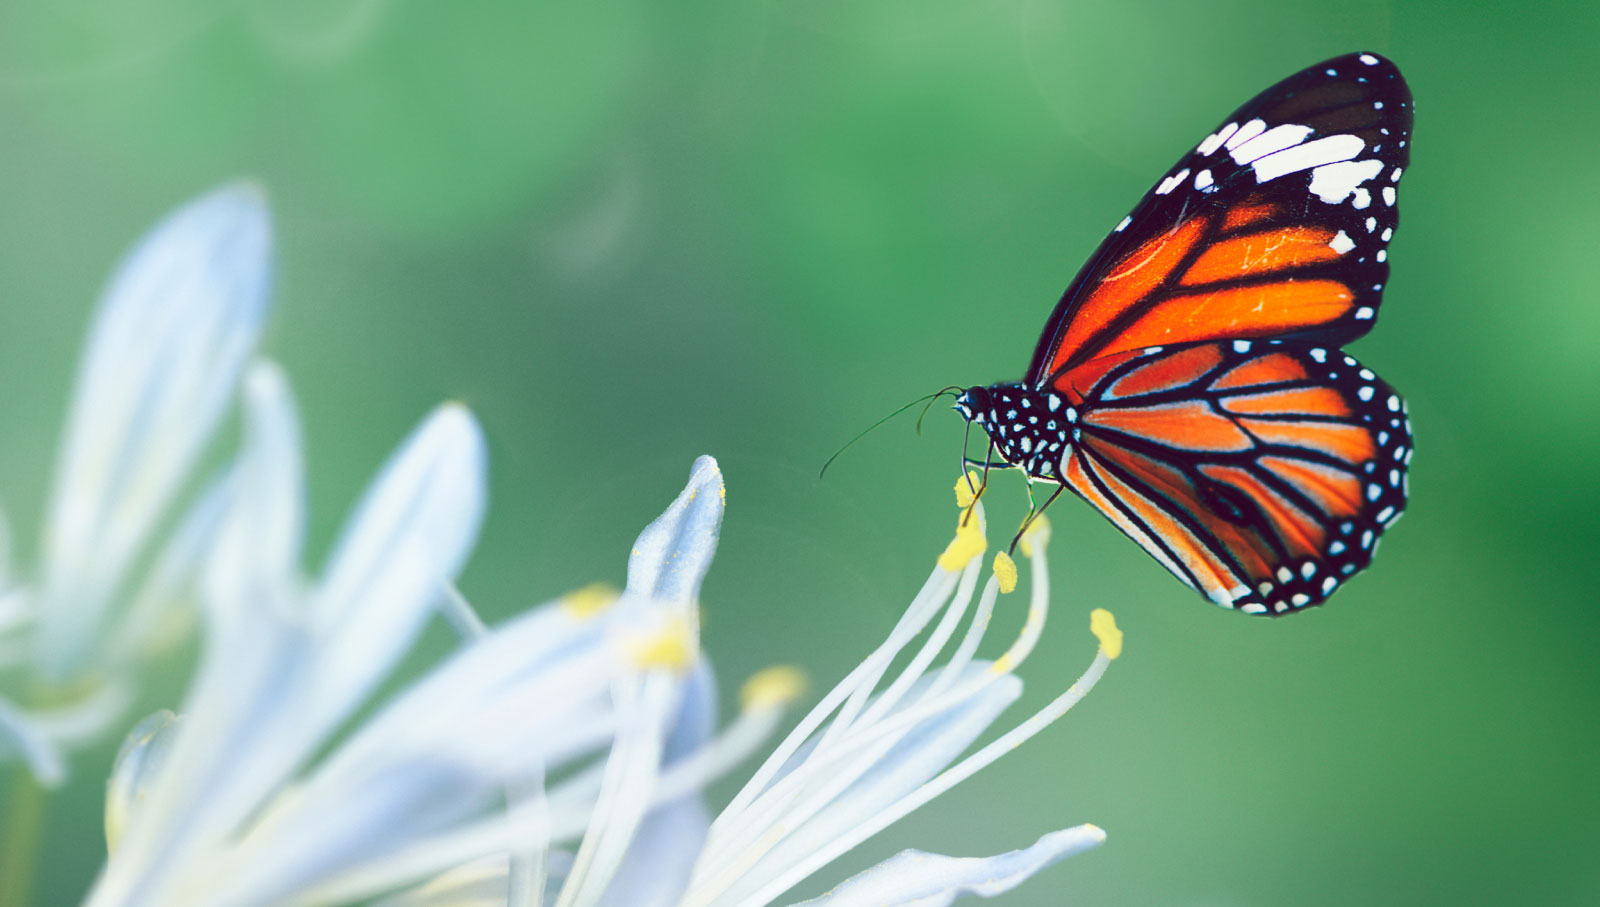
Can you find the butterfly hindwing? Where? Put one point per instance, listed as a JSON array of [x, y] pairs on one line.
[[1275, 226], [1260, 473]]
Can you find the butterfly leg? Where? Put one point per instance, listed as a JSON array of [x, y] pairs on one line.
[[983, 481], [1034, 512]]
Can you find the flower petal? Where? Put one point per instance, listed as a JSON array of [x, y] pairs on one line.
[[19, 737], [172, 333], [409, 536], [661, 855], [257, 549], [138, 764], [672, 554], [914, 878]]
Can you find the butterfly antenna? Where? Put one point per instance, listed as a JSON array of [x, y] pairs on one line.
[[933, 398], [928, 399]]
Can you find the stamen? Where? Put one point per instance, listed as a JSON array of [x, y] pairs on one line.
[[1005, 570], [947, 779], [591, 600], [672, 647], [1104, 626], [773, 687], [968, 544], [964, 487]]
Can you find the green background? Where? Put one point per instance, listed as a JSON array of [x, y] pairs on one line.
[[627, 233]]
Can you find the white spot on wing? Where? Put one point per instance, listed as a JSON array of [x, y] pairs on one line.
[[1215, 140], [1363, 199], [1270, 142], [1122, 224], [1323, 151], [1368, 59], [1334, 182], [1341, 243], [1246, 132], [1364, 313], [1388, 195], [1203, 180], [1171, 182]]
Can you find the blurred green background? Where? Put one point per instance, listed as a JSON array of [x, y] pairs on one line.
[[627, 233]]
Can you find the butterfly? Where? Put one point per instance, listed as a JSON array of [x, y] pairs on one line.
[[1189, 385]]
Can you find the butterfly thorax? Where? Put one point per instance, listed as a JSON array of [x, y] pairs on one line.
[[1031, 429]]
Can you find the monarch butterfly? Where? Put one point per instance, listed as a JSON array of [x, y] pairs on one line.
[[1189, 384]]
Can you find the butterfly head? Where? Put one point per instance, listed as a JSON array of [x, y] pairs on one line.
[[974, 404]]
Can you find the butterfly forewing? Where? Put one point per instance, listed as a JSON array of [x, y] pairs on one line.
[[1259, 473], [1276, 225]]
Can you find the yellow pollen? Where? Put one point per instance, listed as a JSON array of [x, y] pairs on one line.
[[773, 687], [1037, 537], [968, 544], [589, 601], [964, 488], [1003, 664], [672, 648], [1005, 570], [1104, 626]]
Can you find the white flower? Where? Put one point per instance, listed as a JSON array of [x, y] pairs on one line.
[[867, 755], [241, 801], [171, 334], [557, 759]]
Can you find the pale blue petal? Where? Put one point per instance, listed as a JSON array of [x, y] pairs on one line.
[[409, 536], [19, 738], [139, 763], [672, 555], [257, 550], [173, 330], [913, 878], [661, 856]]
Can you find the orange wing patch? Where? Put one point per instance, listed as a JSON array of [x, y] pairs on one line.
[[1133, 279], [1262, 253], [1215, 579], [1077, 384], [1090, 492], [1336, 492], [1190, 424], [1240, 541], [1349, 443], [1262, 310], [1245, 215], [1167, 372], [1268, 369], [1302, 401], [1302, 535]]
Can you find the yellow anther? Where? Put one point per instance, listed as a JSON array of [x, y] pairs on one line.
[[1003, 664], [589, 601], [1005, 570], [673, 647], [1104, 626], [773, 687], [965, 487], [968, 544], [1037, 536]]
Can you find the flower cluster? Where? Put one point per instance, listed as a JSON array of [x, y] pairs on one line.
[[557, 758], [171, 337]]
